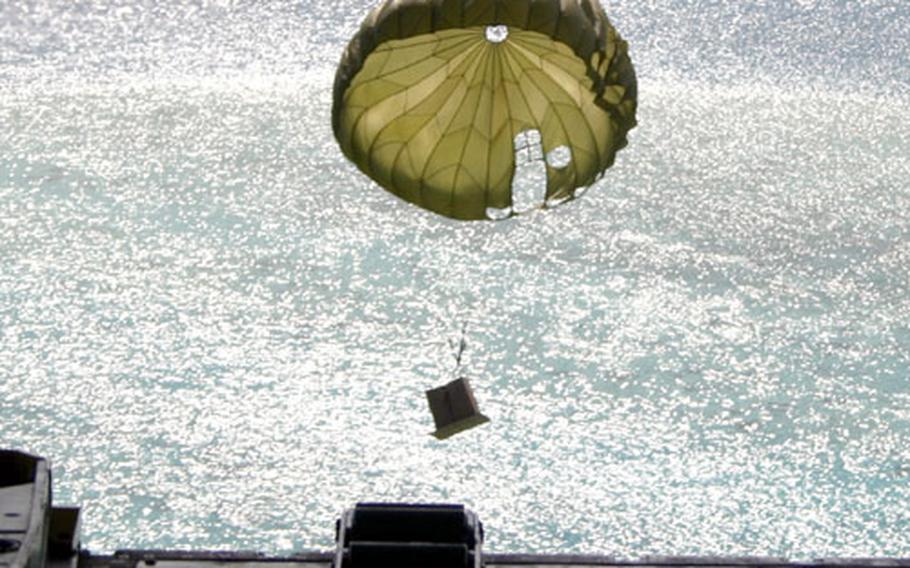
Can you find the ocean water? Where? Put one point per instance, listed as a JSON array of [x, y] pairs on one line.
[[220, 332]]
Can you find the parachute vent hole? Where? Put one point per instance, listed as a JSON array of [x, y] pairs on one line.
[[495, 214], [529, 184], [497, 34], [559, 157]]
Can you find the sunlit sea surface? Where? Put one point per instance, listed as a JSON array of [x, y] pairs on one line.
[[220, 332]]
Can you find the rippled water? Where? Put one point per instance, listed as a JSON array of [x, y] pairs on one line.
[[220, 332]]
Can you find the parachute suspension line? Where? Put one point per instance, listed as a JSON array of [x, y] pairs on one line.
[[458, 349], [444, 314]]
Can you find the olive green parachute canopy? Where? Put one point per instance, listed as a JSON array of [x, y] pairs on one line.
[[432, 96]]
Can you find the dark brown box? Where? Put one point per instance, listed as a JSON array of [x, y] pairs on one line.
[[454, 408]]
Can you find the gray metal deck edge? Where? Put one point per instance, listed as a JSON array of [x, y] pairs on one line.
[[127, 558], [694, 561]]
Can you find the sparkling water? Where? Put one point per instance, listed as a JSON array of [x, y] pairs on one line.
[[220, 331]]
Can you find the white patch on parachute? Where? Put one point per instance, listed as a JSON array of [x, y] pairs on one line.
[[529, 183]]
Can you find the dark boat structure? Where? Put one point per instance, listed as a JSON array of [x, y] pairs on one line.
[[33, 534], [36, 534]]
